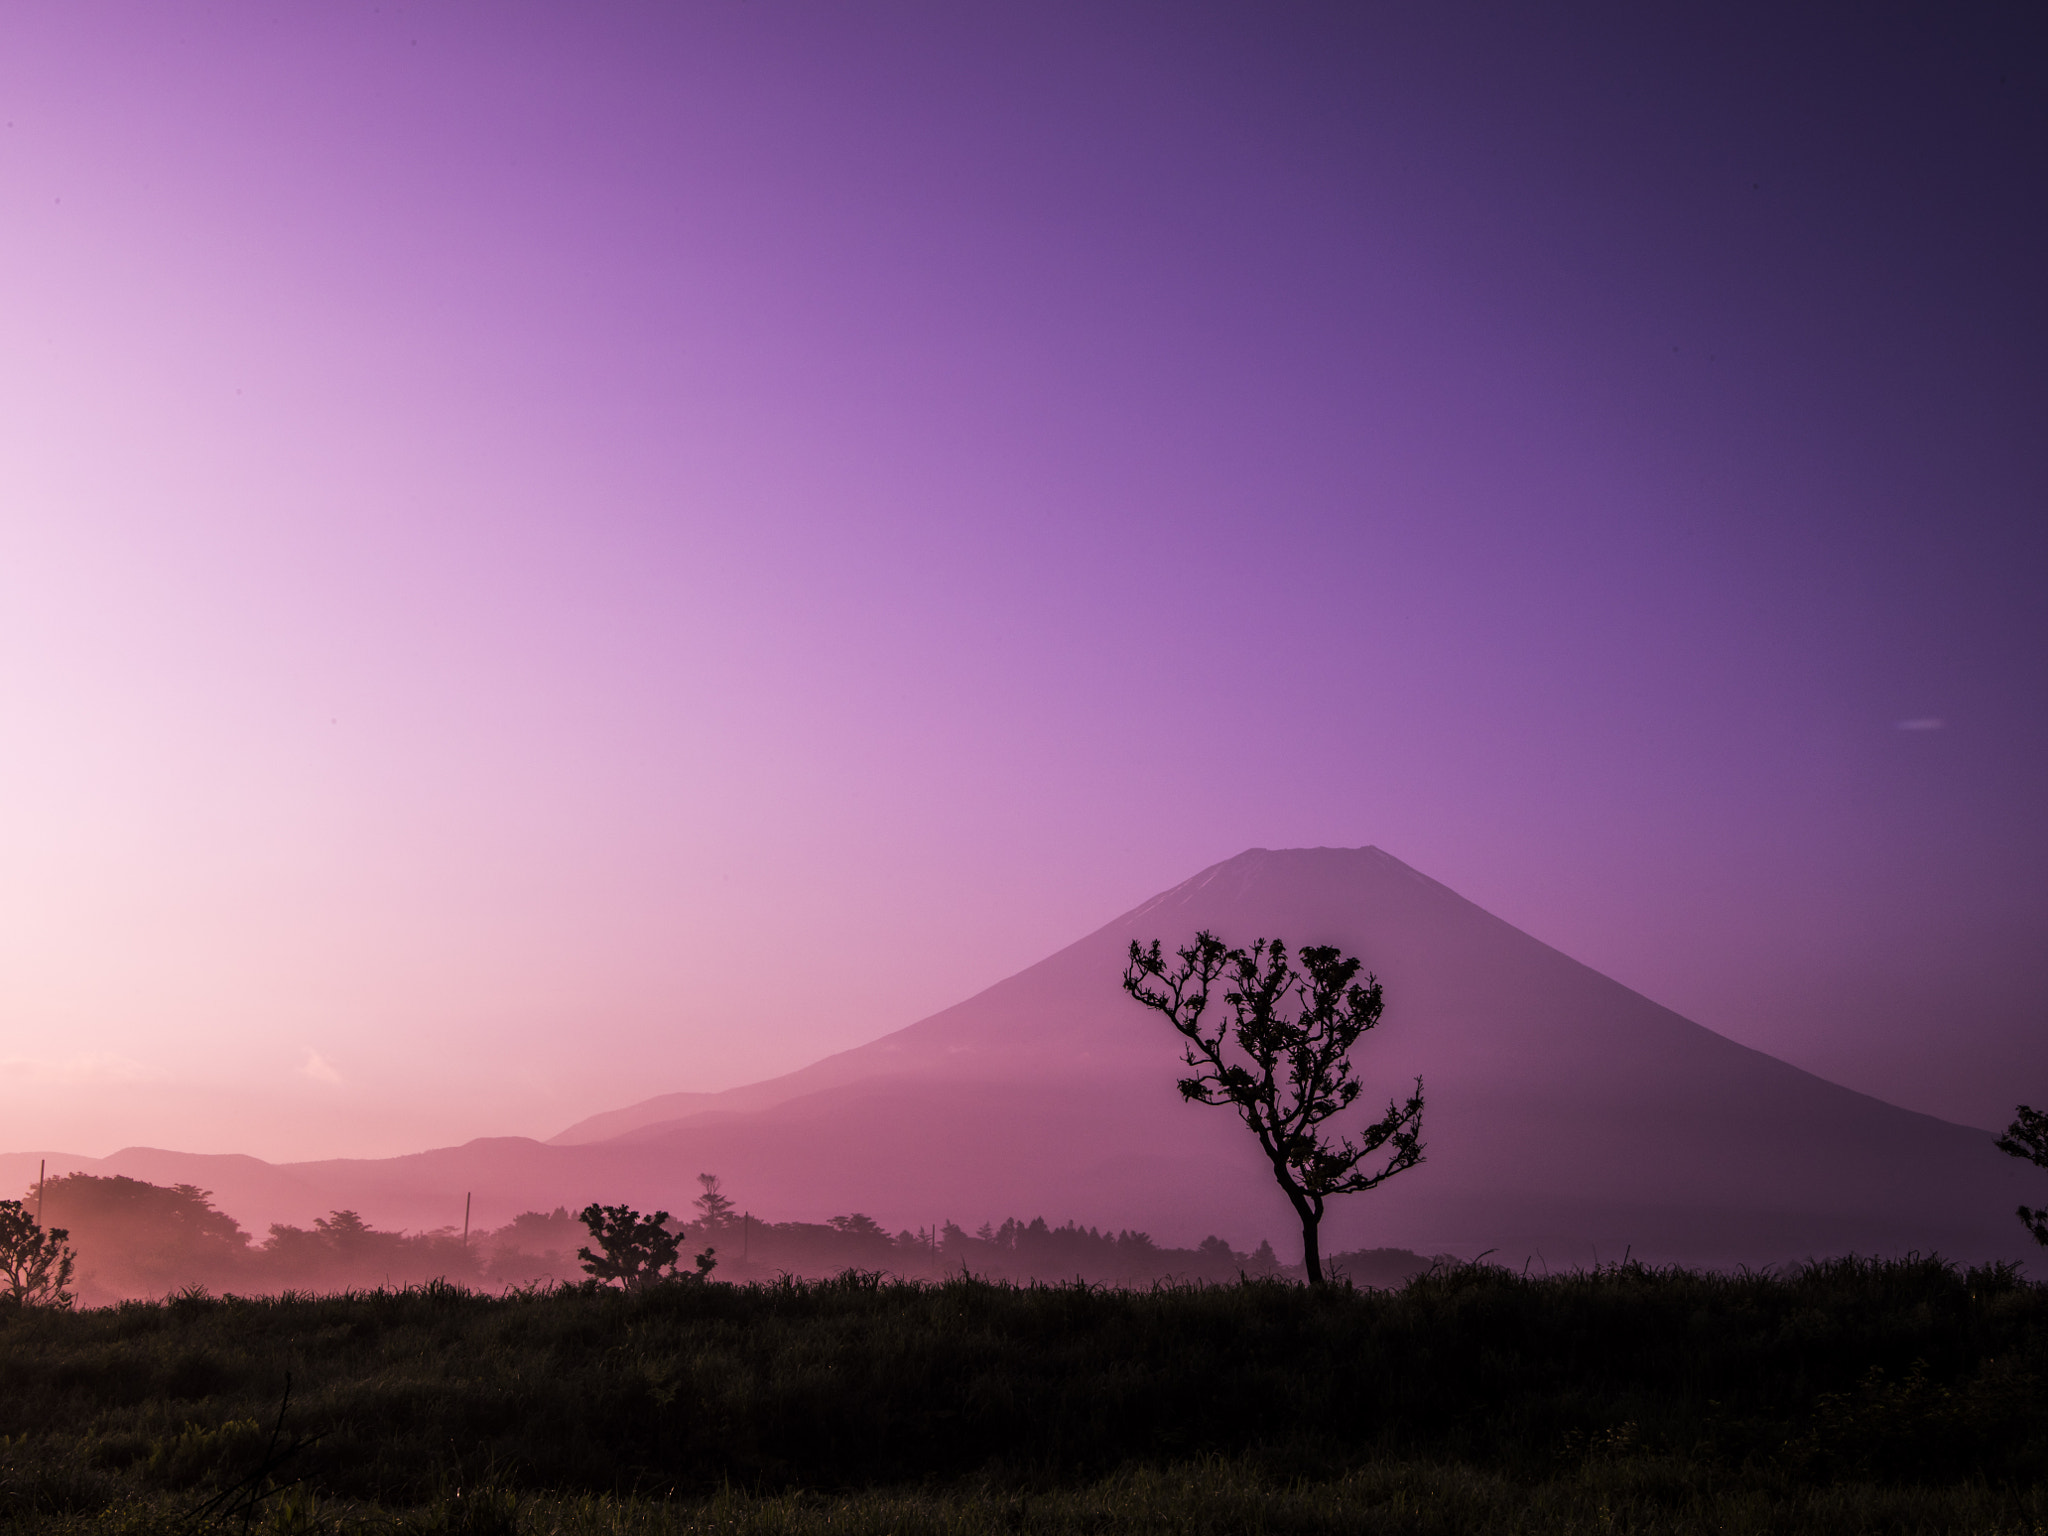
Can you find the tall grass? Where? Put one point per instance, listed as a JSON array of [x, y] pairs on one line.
[[1852, 1394]]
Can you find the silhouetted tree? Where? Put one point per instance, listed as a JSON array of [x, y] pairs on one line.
[[639, 1251], [134, 1238], [534, 1245], [715, 1210], [1262, 1260], [857, 1225], [347, 1233], [1282, 1058], [2027, 1137], [35, 1266]]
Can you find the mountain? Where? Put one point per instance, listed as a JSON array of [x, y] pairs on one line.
[[1569, 1119]]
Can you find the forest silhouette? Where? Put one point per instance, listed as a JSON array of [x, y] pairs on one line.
[[136, 1240]]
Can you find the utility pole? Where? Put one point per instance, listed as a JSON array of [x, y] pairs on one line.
[[42, 1178], [465, 1221]]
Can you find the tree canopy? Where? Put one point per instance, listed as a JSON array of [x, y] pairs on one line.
[[637, 1251], [2027, 1137], [1280, 1054], [35, 1265]]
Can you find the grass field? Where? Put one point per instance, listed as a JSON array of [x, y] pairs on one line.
[[1852, 1396]]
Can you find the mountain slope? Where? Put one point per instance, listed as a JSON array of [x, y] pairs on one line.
[[1568, 1118], [1565, 1111]]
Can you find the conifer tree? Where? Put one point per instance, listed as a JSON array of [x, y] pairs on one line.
[[715, 1209]]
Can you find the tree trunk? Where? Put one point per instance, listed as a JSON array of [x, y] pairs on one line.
[[1311, 1246], [1310, 1210]]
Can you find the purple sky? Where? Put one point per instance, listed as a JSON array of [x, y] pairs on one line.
[[550, 554]]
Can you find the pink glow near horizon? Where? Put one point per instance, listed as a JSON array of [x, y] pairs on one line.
[[551, 557]]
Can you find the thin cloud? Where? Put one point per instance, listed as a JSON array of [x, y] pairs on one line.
[[319, 1068], [1921, 723]]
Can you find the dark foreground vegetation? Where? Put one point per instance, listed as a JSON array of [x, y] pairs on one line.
[[1851, 1396]]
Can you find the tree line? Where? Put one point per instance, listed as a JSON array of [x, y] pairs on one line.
[[127, 1238]]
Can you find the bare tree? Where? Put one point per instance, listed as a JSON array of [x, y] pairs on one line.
[[2027, 1137], [1282, 1058], [35, 1266]]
